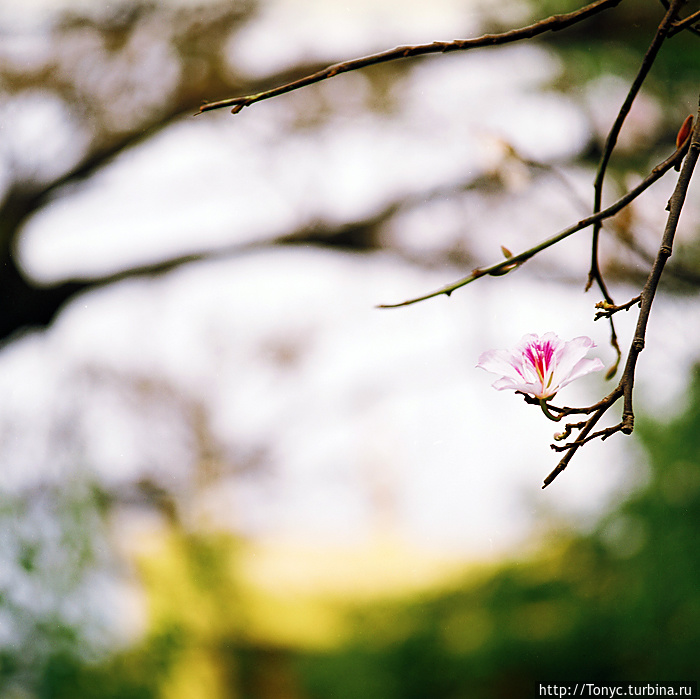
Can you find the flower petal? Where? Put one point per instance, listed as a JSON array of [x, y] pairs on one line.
[[502, 362], [583, 367], [540, 366]]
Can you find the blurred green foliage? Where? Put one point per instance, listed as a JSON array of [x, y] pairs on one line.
[[621, 603], [616, 39], [613, 43]]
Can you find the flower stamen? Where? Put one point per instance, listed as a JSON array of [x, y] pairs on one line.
[[541, 366]]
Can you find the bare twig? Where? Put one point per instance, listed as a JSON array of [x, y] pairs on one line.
[[689, 27], [600, 434], [660, 170], [678, 271], [609, 309], [625, 387], [681, 24], [595, 275], [553, 23], [568, 429], [572, 447]]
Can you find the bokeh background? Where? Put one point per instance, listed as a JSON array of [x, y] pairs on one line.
[[224, 473]]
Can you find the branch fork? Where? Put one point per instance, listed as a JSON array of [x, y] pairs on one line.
[[686, 154]]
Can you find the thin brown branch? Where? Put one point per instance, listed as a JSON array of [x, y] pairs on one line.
[[568, 429], [658, 172], [677, 270], [625, 387], [553, 23], [600, 434], [609, 309], [594, 274], [681, 24], [652, 283], [572, 447], [685, 24]]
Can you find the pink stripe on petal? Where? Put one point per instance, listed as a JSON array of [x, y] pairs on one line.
[[540, 366]]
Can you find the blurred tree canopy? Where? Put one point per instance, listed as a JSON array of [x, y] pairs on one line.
[[621, 602], [116, 76]]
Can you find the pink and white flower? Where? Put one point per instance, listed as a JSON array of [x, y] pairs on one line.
[[540, 366]]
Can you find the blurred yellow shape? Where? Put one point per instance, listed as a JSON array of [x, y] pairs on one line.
[[283, 593]]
